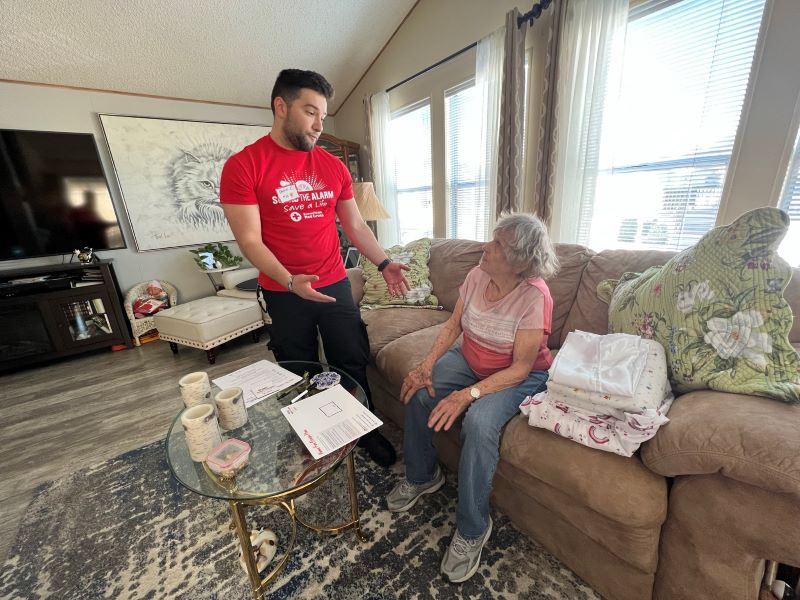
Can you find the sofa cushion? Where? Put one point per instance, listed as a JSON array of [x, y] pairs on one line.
[[572, 260], [792, 295], [620, 488], [403, 354], [718, 309], [753, 440], [415, 255], [388, 324], [589, 312], [449, 264]]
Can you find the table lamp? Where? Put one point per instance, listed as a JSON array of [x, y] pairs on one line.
[[368, 204]]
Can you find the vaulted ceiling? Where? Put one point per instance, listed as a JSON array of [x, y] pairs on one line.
[[216, 50]]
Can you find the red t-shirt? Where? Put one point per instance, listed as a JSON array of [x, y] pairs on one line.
[[490, 327], [296, 193]]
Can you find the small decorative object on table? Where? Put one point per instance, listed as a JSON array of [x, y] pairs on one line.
[[229, 457], [326, 379], [201, 430], [195, 389], [85, 256], [215, 256], [231, 408]]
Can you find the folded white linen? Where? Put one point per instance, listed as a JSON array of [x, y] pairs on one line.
[[610, 364], [652, 388], [604, 432]]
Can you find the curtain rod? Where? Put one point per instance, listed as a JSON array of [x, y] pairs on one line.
[[433, 66], [533, 14]]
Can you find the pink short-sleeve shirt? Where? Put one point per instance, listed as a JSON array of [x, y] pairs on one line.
[[490, 327]]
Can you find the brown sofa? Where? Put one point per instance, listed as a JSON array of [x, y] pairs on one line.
[[693, 515]]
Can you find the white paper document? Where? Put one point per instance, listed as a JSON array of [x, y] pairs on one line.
[[258, 381], [329, 420]]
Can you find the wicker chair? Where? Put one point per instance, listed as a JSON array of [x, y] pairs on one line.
[[141, 326]]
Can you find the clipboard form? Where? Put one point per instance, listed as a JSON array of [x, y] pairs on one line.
[[329, 420]]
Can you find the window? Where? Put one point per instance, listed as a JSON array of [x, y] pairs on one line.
[[669, 129], [410, 134], [790, 202], [465, 190]]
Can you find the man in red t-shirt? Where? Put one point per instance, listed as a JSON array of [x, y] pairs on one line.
[[281, 196]]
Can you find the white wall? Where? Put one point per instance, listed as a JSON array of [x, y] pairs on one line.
[[59, 109]]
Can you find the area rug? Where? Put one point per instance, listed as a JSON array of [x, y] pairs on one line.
[[126, 529]]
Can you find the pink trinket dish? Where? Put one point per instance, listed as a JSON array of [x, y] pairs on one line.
[[229, 457]]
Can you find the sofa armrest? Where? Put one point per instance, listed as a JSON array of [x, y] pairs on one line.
[[751, 439], [356, 277]]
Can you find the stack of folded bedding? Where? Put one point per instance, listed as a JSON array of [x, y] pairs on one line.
[[609, 392]]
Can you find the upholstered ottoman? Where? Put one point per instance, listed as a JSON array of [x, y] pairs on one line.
[[208, 322]]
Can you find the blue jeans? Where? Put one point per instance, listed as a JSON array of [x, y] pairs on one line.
[[480, 436]]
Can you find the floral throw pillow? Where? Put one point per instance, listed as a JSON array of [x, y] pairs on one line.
[[415, 255], [718, 309]]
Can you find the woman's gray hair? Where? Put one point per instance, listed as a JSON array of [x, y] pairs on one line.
[[530, 251]]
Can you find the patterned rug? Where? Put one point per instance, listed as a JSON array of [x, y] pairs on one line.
[[126, 529]]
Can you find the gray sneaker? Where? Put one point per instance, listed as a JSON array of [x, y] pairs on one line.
[[463, 557], [405, 494]]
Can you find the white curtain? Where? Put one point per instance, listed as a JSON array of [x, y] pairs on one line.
[[488, 81], [383, 167], [593, 35]]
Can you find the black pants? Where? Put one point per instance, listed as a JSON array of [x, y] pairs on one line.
[[344, 335]]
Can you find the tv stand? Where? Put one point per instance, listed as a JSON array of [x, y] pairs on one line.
[[53, 311]]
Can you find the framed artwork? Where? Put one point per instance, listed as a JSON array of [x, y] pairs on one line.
[[168, 173]]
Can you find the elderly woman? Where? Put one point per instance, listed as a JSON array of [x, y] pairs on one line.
[[504, 310]]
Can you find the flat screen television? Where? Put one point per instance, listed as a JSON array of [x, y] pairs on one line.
[[54, 195]]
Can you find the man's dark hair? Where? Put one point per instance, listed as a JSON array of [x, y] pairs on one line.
[[291, 81]]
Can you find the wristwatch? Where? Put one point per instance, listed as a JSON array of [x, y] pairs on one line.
[[290, 283], [385, 263], [474, 392]]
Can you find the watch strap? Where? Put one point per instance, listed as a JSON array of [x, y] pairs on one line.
[[290, 283], [385, 263]]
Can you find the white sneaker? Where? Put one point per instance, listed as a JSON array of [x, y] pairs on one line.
[[463, 557], [405, 494]]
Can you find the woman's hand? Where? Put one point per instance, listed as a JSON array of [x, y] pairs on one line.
[[416, 380], [395, 279], [448, 410]]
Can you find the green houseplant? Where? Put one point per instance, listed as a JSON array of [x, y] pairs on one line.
[[215, 256]]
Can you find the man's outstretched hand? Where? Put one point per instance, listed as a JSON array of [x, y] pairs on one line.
[[395, 279], [301, 285]]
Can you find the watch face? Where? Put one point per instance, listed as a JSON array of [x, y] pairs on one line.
[[475, 393]]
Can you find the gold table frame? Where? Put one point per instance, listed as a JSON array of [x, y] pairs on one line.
[[240, 500], [285, 500]]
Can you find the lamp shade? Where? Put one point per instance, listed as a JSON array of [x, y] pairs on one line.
[[368, 204]]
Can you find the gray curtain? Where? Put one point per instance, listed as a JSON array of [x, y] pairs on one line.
[[512, 102], [548, 131]]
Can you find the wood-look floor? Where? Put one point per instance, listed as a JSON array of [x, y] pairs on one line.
[[59, 418]]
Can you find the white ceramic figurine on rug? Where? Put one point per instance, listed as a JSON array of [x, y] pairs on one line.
[[264, 543]]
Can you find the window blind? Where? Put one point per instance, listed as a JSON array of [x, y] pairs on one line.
[[465, 189], [790, 202], [668, 131], [410, 136]]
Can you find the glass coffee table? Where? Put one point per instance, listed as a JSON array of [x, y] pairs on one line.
[[280, 469]]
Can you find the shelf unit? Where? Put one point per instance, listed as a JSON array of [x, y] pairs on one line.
[[54, 311]]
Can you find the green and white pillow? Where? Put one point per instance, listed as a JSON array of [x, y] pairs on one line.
[[414, 254], [718, 309]]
